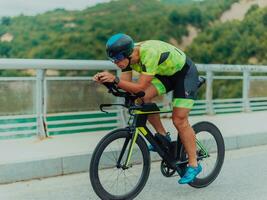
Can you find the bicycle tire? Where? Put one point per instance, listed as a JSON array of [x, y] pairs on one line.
[[94, 170], [216, 134]]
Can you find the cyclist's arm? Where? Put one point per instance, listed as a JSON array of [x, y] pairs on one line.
[[143, 83], [126, 76]]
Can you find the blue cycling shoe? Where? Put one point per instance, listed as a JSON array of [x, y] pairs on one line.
[[168, 138], [190, 174]]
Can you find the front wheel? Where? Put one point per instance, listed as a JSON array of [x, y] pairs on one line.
[[210, 153], [111, 179]]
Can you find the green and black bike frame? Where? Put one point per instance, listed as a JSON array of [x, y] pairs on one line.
[[137, 127]]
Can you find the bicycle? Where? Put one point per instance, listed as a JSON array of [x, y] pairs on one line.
[[123, 149]]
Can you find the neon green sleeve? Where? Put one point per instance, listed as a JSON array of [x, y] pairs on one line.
[[149, 59]]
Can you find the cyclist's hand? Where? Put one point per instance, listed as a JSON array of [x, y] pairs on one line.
[[97, 78], [105, 77]]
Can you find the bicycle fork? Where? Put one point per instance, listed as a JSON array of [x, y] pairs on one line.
[[130, 150]]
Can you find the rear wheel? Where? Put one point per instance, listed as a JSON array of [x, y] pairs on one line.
[[210, 155], [112, 180]]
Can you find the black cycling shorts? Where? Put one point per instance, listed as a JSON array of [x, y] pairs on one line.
[[183, 83]]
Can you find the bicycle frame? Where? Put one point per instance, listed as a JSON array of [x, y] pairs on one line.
[[138, 127]]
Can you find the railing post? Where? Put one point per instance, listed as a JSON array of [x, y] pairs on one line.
[[40, 104], [209, 94], [246, 87], [121, 110], [45, 104]]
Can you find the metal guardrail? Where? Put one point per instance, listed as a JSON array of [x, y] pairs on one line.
[[44, 123], [53, 123], [246, 103]]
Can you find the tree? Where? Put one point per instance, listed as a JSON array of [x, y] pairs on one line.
[[177, 18], [253, 8], [195, 16], [6, 21], [264, 19], [5, 49]]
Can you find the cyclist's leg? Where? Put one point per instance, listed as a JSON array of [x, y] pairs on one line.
[[186, 133], [186, 82], [185, 91], [151, 92], [155, 89], [187, 136], [158, 87]]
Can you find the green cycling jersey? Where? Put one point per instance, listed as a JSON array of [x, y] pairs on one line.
[[158, 57]]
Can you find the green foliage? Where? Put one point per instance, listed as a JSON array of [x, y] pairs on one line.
[[6, 21], [236, 42], [252, 9], [5, 49], [199, 13], [82, 34], [7, 73], [264, 19]]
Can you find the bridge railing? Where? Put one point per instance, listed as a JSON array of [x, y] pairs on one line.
[[253, 81], [36, 94]]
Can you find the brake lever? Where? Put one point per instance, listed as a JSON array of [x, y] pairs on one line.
[[109, 105], [104, 105]]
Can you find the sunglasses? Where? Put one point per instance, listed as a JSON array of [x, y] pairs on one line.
[[116, 58]]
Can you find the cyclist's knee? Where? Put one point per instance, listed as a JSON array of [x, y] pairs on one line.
[[180, 122], [151, 93], [147, 99]]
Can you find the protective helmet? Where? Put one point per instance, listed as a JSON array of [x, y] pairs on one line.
[[119, 46]]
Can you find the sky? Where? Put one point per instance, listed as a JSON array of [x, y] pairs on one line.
[[33, 7]]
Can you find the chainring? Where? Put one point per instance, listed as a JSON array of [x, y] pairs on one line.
[[166, 170]]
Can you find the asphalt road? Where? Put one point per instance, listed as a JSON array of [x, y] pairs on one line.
[[243, 177]]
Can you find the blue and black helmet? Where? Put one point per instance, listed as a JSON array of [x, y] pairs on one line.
[[119, 46]]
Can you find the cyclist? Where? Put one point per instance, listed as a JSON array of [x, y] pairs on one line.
[[162, 68]]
